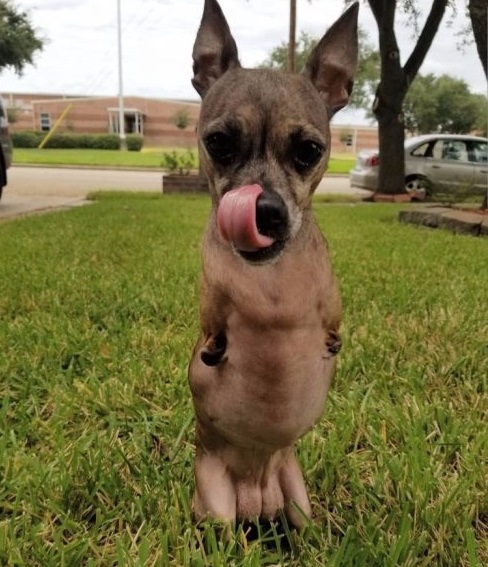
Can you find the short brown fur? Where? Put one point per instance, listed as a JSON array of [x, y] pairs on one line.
[[265, 358]]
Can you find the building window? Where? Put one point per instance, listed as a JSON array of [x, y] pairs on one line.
[[133, 121], [45, 121]]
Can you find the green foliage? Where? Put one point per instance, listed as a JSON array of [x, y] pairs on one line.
[[481, 123], [443, 104], [278, 57], [368, 69], [26, 139], [171, 161], [181, 119], [179, 162], [18, 39], [134, 142], [98, 318]]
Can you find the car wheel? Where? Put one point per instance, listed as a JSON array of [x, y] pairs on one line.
[[417, 186]]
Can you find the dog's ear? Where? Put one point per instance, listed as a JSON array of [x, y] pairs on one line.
[[215, 50], [333, 63]]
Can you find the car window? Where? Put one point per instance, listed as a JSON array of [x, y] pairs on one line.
[[451, 150], [424, 150], [479, 152]]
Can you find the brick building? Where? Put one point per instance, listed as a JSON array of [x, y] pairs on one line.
[[155, 119]]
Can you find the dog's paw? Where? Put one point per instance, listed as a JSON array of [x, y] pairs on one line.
[[257, 491]]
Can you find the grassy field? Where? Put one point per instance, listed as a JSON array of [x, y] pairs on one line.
[[151, 157], [98, 315], [111, 158]]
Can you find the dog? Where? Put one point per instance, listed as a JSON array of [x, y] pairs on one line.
[[270, 307]]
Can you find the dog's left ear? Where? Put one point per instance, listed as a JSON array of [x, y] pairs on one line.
[[333, 63], [215, 50]]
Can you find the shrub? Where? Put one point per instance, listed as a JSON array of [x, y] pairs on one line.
[[182, 163], [66, 140], [26, 139], [62, 141], [134, 142], [170, 161], [106, 142]]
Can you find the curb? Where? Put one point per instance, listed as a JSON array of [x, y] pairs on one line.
[[454, 220]]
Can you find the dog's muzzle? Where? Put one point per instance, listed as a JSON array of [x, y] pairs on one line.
[[254, 221]]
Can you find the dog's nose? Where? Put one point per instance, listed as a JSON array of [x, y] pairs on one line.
[[271, 215]]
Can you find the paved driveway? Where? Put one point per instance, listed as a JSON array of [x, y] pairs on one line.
[[34, 189]]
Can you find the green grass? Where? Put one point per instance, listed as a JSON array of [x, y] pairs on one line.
[[341, 164], [111, 158], [98, 316], [151, 157]]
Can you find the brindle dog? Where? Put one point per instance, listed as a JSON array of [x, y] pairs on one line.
[[269, 303]]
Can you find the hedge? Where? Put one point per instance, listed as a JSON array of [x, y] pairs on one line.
[[26, 139], [30, 139], [134, 142]]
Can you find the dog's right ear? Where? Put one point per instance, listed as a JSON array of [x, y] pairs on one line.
[[215, 50]]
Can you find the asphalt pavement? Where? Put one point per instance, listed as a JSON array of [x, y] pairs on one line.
[[39, 189]]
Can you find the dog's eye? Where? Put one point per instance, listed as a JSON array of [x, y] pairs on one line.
[[306, 154], [221, 147]]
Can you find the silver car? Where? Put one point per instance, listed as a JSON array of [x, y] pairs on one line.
[[5, 146], [453, 162]]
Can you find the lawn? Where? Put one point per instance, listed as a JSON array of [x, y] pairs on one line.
[[151, 157], [98, 315], [110, 158]]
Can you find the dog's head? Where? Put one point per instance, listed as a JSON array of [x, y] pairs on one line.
[[264, 135]]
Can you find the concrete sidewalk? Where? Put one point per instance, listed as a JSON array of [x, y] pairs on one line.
[[13, 206]]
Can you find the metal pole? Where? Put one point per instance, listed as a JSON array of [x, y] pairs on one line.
[[291, 37], [121, 84], [55, 127]]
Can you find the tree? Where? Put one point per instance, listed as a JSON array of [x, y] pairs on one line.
[[181, 119], [368, 68], [395, 81], [441, 104], [478, 14], [481, 124], [18, 39]]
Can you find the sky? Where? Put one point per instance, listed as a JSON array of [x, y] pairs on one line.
[[81, 54]]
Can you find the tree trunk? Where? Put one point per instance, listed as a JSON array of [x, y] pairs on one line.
[[391, 133], [387, 107], [394, 83], [292, 36], [478, 13]]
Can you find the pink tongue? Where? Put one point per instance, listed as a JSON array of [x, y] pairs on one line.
[[236, 218]]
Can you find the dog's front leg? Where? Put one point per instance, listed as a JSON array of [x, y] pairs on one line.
[[215, 494], [294, 491], [213, 320]]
